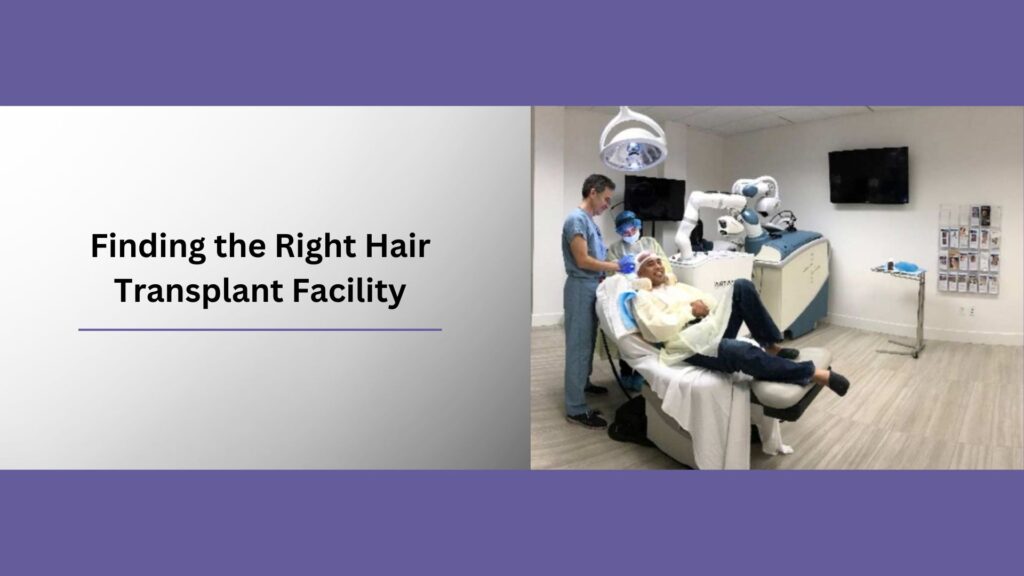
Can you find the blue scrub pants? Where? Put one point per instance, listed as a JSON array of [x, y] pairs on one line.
[[738, 356], [579, 299]]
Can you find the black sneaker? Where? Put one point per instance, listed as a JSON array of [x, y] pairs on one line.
[[589, 420], [595, 390]]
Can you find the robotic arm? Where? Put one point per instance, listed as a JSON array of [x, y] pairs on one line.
[[742, 222], [716, 200], [763, 190]]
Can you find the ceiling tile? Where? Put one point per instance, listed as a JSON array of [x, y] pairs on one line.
[[751, 124], [675, 113], [802, 114], [722, 115], [729, 120], [811, 113], [609, 110]]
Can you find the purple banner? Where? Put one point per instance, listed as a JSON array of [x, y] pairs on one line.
[[509, 522], [458, 52]]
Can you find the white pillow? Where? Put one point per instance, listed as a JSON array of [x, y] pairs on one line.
[[608, 312]]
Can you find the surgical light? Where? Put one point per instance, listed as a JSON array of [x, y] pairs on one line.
[[635, 148]]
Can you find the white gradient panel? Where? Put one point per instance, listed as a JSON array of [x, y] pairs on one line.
[[454, 399]]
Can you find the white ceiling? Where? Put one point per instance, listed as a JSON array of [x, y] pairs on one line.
[[729, 120]]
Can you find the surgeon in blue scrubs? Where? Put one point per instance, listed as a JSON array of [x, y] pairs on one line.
[[584, 253]]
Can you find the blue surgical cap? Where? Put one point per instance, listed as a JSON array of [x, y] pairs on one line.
[[627, 219]]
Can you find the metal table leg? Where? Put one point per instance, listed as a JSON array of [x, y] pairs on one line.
[[918, 346]]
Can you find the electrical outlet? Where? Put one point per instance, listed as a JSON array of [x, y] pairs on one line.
[[972, 312]]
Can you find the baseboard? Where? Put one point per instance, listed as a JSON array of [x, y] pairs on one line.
[[910, 331], [553, 319]]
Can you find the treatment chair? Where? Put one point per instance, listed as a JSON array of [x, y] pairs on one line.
[[700, 417]]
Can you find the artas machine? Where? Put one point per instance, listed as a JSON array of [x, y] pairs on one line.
[[790, 267]]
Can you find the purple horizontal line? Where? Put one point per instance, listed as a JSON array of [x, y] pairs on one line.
[[259, 329]]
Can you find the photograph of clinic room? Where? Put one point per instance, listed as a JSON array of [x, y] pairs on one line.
[[777, 288]]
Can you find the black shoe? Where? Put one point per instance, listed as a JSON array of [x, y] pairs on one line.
[[838, 383], [589, 420], [789, 353], [595, 390]]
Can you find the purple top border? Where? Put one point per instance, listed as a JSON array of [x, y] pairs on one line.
[[460, 52]]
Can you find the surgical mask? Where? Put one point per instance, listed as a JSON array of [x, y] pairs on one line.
[[632, 238]]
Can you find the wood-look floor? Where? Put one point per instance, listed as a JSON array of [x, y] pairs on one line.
[[958, 406]]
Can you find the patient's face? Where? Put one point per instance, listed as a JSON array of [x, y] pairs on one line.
[[654, 271]]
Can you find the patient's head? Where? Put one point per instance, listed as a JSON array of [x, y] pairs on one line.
[[650, 266]]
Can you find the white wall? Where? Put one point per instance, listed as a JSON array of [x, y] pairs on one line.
[[957, 156], [706, 169], [548, 212], [705, 160], [565, 153]]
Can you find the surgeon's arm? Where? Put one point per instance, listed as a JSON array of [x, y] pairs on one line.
[[578, 247]]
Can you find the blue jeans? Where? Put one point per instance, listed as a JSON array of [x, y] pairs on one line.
[[579, 301], [738, 356]]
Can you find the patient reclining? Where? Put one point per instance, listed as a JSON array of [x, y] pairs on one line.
[[698, 329]]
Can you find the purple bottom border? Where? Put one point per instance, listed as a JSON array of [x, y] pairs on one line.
[[512, 522]]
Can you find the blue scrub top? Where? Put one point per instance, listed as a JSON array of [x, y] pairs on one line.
[[579, 223]]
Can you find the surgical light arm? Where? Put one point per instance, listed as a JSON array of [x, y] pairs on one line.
[[715, 200]]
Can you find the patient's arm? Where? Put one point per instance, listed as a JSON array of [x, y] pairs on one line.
[[660, 319]]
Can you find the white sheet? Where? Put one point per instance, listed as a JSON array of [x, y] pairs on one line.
[[715, 409]]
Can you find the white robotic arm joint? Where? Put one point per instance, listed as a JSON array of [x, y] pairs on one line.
[[763, 190]]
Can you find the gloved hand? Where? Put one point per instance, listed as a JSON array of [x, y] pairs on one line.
[[627, 264]]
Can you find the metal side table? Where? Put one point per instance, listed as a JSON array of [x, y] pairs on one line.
[[914, 349]]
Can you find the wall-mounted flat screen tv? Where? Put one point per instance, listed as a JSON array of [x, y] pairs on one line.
[[873, 176], [655, 198]]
